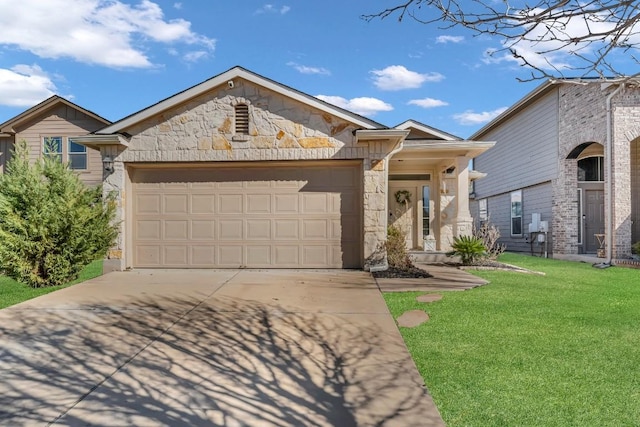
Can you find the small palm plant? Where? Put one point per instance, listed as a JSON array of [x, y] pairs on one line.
[[469, 248]]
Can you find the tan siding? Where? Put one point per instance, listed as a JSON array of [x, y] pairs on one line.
[[526, 149], [65, 121]]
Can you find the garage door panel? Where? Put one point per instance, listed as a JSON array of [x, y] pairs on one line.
[[176, 229], [315, 203], [258, 203], [258, 229], [148, 230], [315, 255], [148, 255], [175, 255], [258, 255], [286, 229], [203, 230], [286, 203], [315, 229], [286, 256], [230, 229], [230, 204], [203, 256], [203, 204], [230, 217], [175, 203], [149, 204], [230, 255]]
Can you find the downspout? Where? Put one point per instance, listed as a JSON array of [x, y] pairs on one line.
[[609, 177]]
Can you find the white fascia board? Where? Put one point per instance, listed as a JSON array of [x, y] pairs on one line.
[[97, 141], [469, 148], [224, 78]]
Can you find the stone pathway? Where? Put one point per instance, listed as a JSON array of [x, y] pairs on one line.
[[444, 278]]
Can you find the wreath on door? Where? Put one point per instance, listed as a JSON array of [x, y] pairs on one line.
[[403, 196]]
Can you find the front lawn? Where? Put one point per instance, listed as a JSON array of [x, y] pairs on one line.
[[529, 350], [12, 292]]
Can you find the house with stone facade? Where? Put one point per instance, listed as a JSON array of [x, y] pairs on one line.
[[51, 127], [566, 161], [242, 171]]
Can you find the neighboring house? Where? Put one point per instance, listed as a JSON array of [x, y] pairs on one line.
[[242, 171], [568, 151], [51, 127]]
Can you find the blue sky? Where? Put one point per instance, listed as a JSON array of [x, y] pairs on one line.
[[116, 57]]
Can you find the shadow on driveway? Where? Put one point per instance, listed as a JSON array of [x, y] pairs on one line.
[[220, 360]]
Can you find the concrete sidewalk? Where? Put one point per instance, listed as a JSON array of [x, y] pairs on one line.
[[203, 347]]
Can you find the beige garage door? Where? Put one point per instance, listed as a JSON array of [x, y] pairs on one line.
[[278, 216]]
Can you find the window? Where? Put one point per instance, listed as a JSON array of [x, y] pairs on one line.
[[52, 147], [71, 152], [242, 119], [516, 213], [484, 212], [425, 211], [77, 156], [591, 169]]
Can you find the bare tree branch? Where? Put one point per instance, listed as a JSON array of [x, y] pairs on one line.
[[551, 37]]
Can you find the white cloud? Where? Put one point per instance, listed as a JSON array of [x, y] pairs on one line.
[[449, 39], [269, 8], [195, 56], [428, 103], [305, 69], [177, 6], [552, 45], [25, 86], [470, 117], [104, 32], [397, 77], [364, 106]]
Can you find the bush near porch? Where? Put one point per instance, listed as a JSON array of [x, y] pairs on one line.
[[531, 350]]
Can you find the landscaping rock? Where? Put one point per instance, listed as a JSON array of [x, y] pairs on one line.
[[413, 318]]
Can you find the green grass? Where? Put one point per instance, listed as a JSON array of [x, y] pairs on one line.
[[527, 350], [12, 292]]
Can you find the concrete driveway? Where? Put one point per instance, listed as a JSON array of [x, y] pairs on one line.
[[210, 347]]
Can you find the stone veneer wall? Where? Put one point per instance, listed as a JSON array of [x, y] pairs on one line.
[[583, 118], [202, 130]]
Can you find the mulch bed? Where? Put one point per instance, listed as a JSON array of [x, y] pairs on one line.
[[397, 273]]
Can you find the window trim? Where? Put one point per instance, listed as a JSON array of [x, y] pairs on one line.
[[65, 153], [483, 211], [71, 154], [600, 165], [515, 195]]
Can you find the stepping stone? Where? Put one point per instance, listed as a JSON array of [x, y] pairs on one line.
[[429, 298], [413, 318]]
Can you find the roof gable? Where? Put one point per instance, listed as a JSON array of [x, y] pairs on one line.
[[419, 130], [47, 104], [227, 78]]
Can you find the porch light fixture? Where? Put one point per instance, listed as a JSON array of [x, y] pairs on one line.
[[107, 163]]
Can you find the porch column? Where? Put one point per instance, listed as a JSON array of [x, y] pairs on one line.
[[463, 221], [114, 183]]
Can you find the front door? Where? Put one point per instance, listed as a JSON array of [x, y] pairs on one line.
[[402, 210], [594, 219]]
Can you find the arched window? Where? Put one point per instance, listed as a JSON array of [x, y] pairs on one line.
[[591, 169], [242, 119]]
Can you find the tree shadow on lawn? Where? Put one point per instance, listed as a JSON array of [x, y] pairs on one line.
[[222, 362]]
